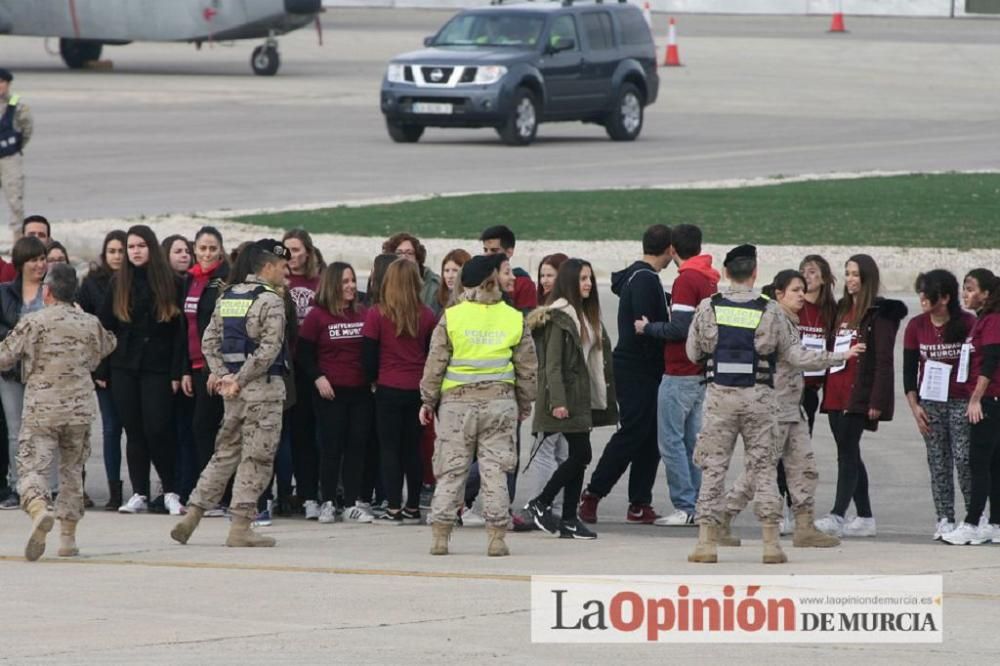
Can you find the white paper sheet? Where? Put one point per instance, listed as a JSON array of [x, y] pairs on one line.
[[934, 383]]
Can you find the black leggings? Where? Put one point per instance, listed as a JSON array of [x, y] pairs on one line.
[[344, 425], [397, 412], [984, 463], [569, 475], [852, 477], [145, 402], [208, 410], [305, 451]]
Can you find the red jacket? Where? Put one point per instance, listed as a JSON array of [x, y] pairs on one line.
[[7, 272]]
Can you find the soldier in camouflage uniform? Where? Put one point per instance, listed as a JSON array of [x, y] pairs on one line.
[[244, 345], [481, 368], [58, 347], [16, 126], [794, 442], [739, 334]]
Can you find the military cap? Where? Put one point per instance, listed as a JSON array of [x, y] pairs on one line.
[[480, 267], [272, 246], [741, 252], [5, 75]]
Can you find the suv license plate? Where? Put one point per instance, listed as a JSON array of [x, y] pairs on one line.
[[427, 107]]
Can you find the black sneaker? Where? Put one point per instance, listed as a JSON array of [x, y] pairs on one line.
[[542, 516], [411, 516], [390, 518], [575, 529]]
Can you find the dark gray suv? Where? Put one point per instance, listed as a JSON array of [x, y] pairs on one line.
[[512, 67]]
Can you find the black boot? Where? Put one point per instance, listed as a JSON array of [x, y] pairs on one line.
[[115, 501]]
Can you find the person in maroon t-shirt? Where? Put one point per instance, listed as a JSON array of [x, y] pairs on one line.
[[815, 324], [500, 239], [329, 353], [859, 394], [932, 346], [397, 334], [303, 281], [980, 358]]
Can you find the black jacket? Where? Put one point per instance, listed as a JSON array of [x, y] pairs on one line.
[[145, 344], [640, 294], [10, 314], [93, 290]]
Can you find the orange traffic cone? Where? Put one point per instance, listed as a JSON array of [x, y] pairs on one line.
[[672, 57], [647, 14], [837, 23]]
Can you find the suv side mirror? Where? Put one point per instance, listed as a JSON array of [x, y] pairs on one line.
[[428, 40], [564, 44]]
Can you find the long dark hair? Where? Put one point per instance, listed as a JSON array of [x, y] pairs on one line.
[[827, 301], [992, 303], [555, 261], [870, 284], [161, 279], [102, 267], [375, 277], [567, 286], [215, 233], [781, 282], [937, 284]]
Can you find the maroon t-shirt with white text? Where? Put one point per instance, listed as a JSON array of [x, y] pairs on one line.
[[401, 357], [923, 336], [338, 343]]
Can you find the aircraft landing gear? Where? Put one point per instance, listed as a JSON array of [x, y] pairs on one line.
[[265, 60], [78, 52]]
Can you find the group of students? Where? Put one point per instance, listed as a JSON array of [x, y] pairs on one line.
[[356, 446]]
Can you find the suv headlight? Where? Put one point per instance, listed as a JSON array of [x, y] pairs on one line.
[[490, 74], [395, 73]]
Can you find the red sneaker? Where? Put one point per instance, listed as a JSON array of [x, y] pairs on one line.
[[587, 511], [640, 514]]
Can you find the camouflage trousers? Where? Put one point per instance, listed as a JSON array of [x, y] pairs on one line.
[[12, 184], [800, 470], [731, 412], [466, 431], [37, 449], [246, 444]]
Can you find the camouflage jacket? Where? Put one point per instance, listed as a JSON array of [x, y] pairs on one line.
[[525, 366], [788, 380], [58, 346], [23, 120], [265, 326]]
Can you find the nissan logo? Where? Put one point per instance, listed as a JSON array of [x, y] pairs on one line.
[[436, 75]]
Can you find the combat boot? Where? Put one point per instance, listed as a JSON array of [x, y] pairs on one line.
[[42, 521], [725, 536], [772, 544], [185, 528], [498, 547], [241, 536], [807, 536], [67, 539], [441, 533], [706, 551]]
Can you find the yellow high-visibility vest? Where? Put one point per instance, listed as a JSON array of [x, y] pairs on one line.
[[483, 338]]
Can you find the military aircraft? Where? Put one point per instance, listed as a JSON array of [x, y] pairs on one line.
[[85, 26]]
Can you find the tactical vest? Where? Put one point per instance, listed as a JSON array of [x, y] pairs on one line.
[[482, 338], [237, 344], [735, 361], [10, 139]]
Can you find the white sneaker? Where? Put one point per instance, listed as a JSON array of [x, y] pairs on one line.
[[989, 533], [963, 535], [860, 527], [787, 524], [472, 519], [217, 512], [983, 520], [359, 513], [678, 518], [312, 509], [943, 527], [831, 524], [173, 503], [327, 513], [135, 504]]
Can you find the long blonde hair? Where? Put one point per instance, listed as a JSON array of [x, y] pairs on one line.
[[399, 300]]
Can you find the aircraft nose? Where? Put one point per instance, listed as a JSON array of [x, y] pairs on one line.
[[303, 6]]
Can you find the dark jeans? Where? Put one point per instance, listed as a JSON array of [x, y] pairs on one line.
[[208, 411], [984, 463], [852, 477], [111, 433], [396, 413], [569, 475], [344, 425], [187, 453], [634, 443], [305, 450], [282, 466], [145, 403]]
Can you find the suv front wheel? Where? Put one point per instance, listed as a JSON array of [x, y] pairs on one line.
[[522, 120], [402, 133], [624, 122]]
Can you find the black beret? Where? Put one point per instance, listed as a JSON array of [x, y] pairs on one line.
[[5, 75], [740, 252], [480, 267], [272, 246]]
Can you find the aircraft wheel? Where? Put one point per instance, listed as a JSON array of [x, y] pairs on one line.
[[265, 61], [78, 52]]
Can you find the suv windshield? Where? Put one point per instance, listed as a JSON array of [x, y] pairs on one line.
[[518, 30]]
